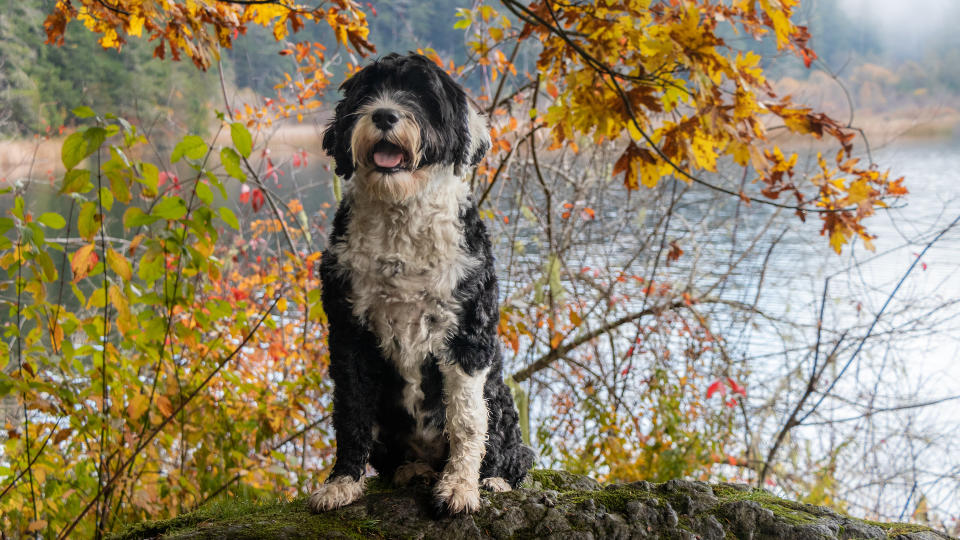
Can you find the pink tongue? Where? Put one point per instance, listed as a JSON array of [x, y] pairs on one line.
[[387, 160]]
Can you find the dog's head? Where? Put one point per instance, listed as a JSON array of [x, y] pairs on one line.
[[400, 117]]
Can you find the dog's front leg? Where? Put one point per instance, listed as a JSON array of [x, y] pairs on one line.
[[355, 366], [466, 427], [353, 418]]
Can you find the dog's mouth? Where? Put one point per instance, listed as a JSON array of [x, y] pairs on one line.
[[389, 158]]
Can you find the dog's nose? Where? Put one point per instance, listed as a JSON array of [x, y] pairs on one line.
[[385, 118]]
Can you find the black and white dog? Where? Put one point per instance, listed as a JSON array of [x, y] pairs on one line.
[[410, 293]]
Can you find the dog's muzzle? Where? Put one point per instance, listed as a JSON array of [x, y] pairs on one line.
[[389, 158]]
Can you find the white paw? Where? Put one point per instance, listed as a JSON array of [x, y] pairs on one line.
[[457, 495], [408, 471], [495, 484], [335, 493]]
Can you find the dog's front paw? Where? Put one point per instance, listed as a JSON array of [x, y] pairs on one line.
[[455, 496], [336, 492]]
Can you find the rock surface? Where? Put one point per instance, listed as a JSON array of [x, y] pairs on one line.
[[553, 504]]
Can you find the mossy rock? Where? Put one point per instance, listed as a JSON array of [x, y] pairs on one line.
[[551, 504]]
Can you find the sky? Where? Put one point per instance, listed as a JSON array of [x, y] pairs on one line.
[[912, 17]]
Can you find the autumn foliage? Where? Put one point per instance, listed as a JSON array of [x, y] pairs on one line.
[[170, 351]]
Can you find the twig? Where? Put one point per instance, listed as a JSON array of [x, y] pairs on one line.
[[876, 318]]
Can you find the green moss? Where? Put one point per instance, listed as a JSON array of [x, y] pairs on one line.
[[549, 479], [614, 498], [791, 512], [896, 529], [266, 518]]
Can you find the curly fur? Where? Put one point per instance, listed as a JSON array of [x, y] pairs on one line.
[[410, 291]]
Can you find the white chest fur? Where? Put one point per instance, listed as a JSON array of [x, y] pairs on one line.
[[404, 261]]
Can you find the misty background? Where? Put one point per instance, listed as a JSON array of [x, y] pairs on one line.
[[891, 55]]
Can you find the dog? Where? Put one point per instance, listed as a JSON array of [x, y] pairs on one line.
[[410, 293]]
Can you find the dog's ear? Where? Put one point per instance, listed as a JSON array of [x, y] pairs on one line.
[[479, 136], [455, 112], [335, 147], [336, 138]]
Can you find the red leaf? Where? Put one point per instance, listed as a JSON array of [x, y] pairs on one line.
[[716, 386], [737, 389], [257, 200]]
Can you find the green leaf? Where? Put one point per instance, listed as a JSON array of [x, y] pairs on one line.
[[76, 181], [170, 208], [337, 189], [87, 222], [214, 181], [120, 189], [191, 146], [83, 112], [73, 150], [106, 199], [81, 144], [5, 225], [98, 299], [46, 263], [241, 138], [5, 385], [149, 176], [553, 270], [150, 268], [52, 220], [78, 293], [203, 191], [229, 217], [135, 217], [231, 162], [94, 136]]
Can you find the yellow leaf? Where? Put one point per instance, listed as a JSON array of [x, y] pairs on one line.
[[119, 301], [704, 152], [837, 239], [282, 304], [119, 264], [858, 192], [138, 405], [109, 39], [135, 25]]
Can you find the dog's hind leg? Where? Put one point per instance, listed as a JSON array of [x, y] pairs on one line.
[[407, 472], [495, 484]]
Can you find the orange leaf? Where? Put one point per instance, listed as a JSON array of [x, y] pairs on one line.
[[166, 408], [83, 261]]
